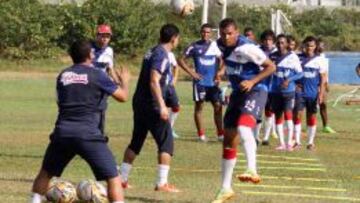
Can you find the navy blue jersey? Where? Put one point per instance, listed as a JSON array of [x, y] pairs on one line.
[[81, 92], [243, 62], [288, 67], [204, 54], [312, 68], [155, 59]]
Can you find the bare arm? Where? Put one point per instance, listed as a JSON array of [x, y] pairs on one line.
[[269, 68], [220, 72], [187, 69], [322, 87], [156, 92], [121, 94], [175, 74]]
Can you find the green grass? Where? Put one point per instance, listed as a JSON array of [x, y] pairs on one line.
[[28, 112]]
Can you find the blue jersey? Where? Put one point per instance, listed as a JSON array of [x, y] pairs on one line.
[[81, 91], [103, 57], [288, 67], [268, 52], [204, 54], [312, 67], [243, 62], [156, 59]]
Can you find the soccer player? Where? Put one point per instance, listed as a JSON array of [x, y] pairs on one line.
[[247, 68], [249, 33], [311, 92], [288, 70], [292, 43], [104, 54], [323, 106], [268, 46], [171, 98], [81, 89], [150, 110], [207, 60]]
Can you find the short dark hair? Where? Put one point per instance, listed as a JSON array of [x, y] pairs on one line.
[[167, 32], [267, 33], [206, 25], [310, 39], [290, 38], [282, 36], [248, 29], [227, 22], [80, 51]]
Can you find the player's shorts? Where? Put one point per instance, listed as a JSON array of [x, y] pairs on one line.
[[282, 102], [146, 120], [171, 98], [202, 93], [96, 153], [252, 103], [309, 103]]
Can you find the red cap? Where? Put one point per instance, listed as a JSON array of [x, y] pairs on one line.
[[103, 29]]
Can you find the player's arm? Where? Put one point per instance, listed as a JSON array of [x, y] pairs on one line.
[[221, 70], [175, 74], [298, 73], [121, 94], [155, 88], [185, 66]]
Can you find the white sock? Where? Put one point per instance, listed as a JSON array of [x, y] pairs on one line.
[[297, 131], [227, 169], [163, 172], [257, 130], [290, 129], [125, 169], [35, 198], [311, 134], [249, 145], [280, 132], [118, 202], [268, 123], [172, 117], [273, 124]]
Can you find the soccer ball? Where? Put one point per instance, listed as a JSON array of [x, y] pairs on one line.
[[90, 190], [182, 7], [61, 191]]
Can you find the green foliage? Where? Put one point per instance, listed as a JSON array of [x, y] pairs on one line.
[[30, 29]]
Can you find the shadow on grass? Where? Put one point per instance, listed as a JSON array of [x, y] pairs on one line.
[[21, 156], [146, 199], [24, 180]]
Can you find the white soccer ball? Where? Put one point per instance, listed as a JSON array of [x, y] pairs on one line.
[[61, 191], [182, 7], [90, 190]]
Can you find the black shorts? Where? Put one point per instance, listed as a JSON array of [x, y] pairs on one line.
[[282, 102], [96, 153], [146, 120], [252, 103], [310, 104], [171, 98], [202, 93]]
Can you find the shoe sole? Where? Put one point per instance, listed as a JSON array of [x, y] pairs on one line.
[[249, 179]]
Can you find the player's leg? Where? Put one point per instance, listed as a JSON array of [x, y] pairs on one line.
[[173, 102], [138, 138], [199, 94], [289, 102], [297, 117], [324, 115], [277, 107], [57, 156], [214, 97], [311, 110], [161, 131], [257, 132], [269, 127], [102, 162]]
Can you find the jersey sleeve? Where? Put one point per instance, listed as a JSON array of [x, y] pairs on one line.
[[103, 81], [172, 59], [111, 58], [253, 54], [297, 64], [189, 51], [159, 61], [324, 65]]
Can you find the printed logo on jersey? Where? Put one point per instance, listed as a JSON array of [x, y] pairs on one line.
[[68, 78], [310, 74], [207, 62]]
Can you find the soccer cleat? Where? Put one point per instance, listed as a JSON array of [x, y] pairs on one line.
[[328, 129], [249, 176], [274, 135], [203, 138], [223, 195], [125, 185], [220, 138], [289, 148], [167, 188], [280, 148], [296, 146], [265, 143], [310, 147], [175, 135]]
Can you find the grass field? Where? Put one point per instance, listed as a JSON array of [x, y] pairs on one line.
[[329, 174]]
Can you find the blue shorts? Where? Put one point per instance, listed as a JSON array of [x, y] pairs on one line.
[[96, 153], [202, 93], [146, 120], [171, 98], [281, 102], [252, 103], [310, 104]]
